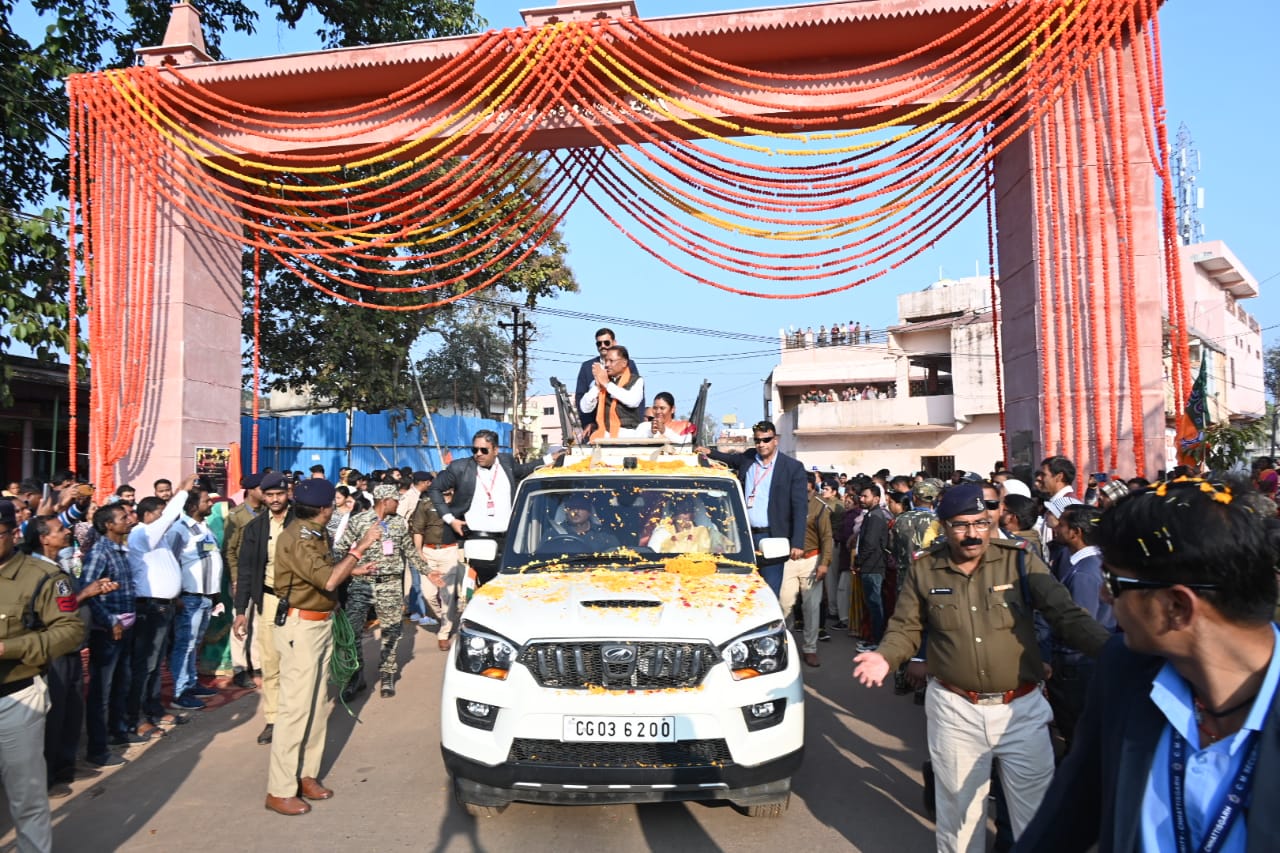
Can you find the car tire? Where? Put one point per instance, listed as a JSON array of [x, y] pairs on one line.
[[775, 809]]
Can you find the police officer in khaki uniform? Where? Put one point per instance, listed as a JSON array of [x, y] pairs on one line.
[[232, 536], [38, 624], [976, 596], [306, 583], [438, 545]]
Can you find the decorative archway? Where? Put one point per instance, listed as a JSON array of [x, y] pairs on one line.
[[867, 129]]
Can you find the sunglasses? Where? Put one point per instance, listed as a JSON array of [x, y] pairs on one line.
[[481, 451], [1117, 584], [991, 504], [603, 344], [765, 440]]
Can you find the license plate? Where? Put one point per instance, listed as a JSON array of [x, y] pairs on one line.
[[620, 729]]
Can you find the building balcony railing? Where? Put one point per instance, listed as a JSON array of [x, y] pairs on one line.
[[900, 413]]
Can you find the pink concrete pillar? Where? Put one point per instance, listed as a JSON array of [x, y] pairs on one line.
[[1028, 402], [192, 395]]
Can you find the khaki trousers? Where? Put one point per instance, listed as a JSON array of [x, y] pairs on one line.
[[963, 738], [22, 767], [241, 650], [798, 580], [448, 609], [268, 658], [302, 718]]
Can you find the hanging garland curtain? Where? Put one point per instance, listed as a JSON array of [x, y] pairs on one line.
[[808, 184]]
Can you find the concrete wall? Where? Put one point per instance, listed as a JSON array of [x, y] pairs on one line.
[[975, 448]]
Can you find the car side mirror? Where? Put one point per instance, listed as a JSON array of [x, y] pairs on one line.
[[480, 550], [774, 549]]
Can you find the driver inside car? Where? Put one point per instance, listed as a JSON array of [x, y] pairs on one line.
[[581, 531]]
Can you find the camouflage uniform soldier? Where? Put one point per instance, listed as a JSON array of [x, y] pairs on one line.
[[384, 589], [914, 531]]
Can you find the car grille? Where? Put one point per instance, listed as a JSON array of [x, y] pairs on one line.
[[684, 753], [623, 665]]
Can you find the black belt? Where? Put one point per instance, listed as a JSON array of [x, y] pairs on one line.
[[155, 600], [759, 530], [268, 590], [15, 686]]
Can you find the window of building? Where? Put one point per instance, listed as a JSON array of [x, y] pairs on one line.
[[548, 410], [1233, 372], [941, 467]]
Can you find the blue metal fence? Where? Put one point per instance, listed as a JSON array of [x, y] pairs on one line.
[[360, 440]]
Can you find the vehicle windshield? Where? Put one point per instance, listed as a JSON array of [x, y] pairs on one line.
[[627, 523]]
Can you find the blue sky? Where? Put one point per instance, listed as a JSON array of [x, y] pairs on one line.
[[1221, 67]]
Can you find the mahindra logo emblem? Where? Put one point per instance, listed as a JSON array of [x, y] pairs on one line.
[[619, 654]]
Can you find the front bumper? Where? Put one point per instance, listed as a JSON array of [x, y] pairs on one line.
[[715, 754], [504, 783]]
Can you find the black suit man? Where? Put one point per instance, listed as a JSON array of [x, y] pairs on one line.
[[483, 486], [255, 594], [1179, 742], [776, 492], [604, 339]]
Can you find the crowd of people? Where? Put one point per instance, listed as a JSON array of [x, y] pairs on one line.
[[850, 393], [996, 600], [839, 335], [131, 586]]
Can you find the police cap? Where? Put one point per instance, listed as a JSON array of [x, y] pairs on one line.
[[314, 492], [965, 499], [272, 482]]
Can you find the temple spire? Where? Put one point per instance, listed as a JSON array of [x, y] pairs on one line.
[[183, 40]]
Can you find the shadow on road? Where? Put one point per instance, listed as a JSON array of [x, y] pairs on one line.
[[863, 752], [118, 804]]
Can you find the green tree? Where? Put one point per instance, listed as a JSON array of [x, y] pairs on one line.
[[1229, 443], [348, 356], [69, 37], [1271, 372], [363, 362]]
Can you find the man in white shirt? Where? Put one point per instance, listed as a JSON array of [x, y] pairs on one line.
[[157, 581], [1054, 480], [616, 396], [482, 486], [201, 562]]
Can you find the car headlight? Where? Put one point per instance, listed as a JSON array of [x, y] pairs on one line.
[[482, 652], [758, 652]]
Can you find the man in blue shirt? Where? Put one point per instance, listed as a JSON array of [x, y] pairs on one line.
[[1077, 529], [111, 637], [775, 486], [1179, 744]]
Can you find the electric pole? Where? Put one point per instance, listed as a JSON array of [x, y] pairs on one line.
[[520, 378]]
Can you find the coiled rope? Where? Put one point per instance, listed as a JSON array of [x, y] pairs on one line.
[[345, 661]]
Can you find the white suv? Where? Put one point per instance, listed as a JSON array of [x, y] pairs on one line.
[[627, 651]]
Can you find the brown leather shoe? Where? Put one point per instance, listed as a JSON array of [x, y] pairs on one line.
[[287, 805], [811, 658], [310, 787], [443, 644]]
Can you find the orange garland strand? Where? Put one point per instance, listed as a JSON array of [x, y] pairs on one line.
[[870, 208]]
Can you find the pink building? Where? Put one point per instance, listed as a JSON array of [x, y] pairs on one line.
[[1214, 283]]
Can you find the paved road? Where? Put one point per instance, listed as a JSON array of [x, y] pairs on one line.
[[202, 786]]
